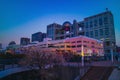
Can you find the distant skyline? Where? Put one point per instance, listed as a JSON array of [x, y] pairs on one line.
[[22, 18]]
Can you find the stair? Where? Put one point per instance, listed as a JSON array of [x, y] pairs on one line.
[[98, 73]]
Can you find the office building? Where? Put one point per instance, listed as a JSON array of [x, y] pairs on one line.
[[99, 26], [39, 36], [24, 41]]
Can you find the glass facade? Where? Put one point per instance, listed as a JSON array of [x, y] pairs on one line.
[[106, 31], [100, 21], [95, 22], [96, 33], [91, 33], [101, 32]]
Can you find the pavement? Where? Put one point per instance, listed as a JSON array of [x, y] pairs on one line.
[[115, 75]]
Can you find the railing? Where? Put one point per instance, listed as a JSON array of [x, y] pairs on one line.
[[5, 67]]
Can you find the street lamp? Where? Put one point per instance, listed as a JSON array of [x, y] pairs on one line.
[[82, 53]]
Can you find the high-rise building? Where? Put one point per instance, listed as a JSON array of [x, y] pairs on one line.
[[24, 41], [0, 45], [99, 26], [39, 36], [53, 30]]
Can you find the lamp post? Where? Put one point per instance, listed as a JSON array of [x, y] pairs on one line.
[[82, 53]]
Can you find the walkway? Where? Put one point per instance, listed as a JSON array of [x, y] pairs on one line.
[[115, 75], [98, 73], [12, 71]]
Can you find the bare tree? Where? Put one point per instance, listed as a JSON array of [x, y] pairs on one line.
[[36, 57]]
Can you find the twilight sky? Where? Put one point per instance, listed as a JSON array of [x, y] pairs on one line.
[[21, 18]]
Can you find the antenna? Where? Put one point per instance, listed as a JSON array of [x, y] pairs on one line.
[[106, 9]]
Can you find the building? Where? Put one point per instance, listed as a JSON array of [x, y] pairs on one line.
[[99, 26], [12, 43], [53, 30], [43, 35], [57, 31], [0, 45], [118, 49], [39, 36], [24, 41], [13, 49], [90, 46]]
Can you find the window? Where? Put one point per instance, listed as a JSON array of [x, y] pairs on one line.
[[62, 46], [73, 46], [108, 51], [91, 33], [105, 20], [68, 46], [78, 45], [95, 22], [73, 42], [100, 21], [86, 24], [91, 24], [78, 41], [85, 45], [96, 33], [106, 31], [107, 43], [67, 42], [87, 33], [101, 32]]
